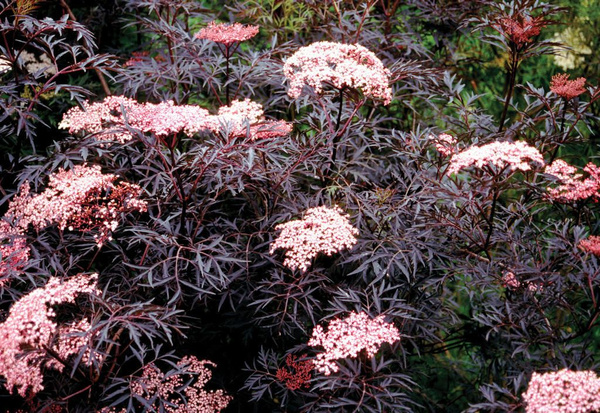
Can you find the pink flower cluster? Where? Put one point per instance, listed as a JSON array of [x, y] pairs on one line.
[[14, 252], [568, 89], [82, 198], [510, 281], [112, 119], [445, 144], [512, 155], [227, 34], [340, 66], [297, 374], [154, 383], [31, 329], [136, 57], [564, 391], [243, 116], [350, 336], [521, 29], [591, 245], [573, 186], [247, 110], [269, 129], [322, 230]]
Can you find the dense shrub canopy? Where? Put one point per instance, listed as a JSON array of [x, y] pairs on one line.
[[298, 206]]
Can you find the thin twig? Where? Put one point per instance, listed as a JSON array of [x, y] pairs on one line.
[[101, 77]]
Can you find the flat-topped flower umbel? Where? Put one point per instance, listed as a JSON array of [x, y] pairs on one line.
[[81, 198], [591, 245], [31, 330], [573, 186], [155, 385], [113, 118], [322, 230], [521, 29], [348, 337], [340, 66], [297, 373], [512, 155], [568, 89], [563, 391], [227, 34]]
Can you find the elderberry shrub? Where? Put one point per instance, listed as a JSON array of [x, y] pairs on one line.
[[296, 206]]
